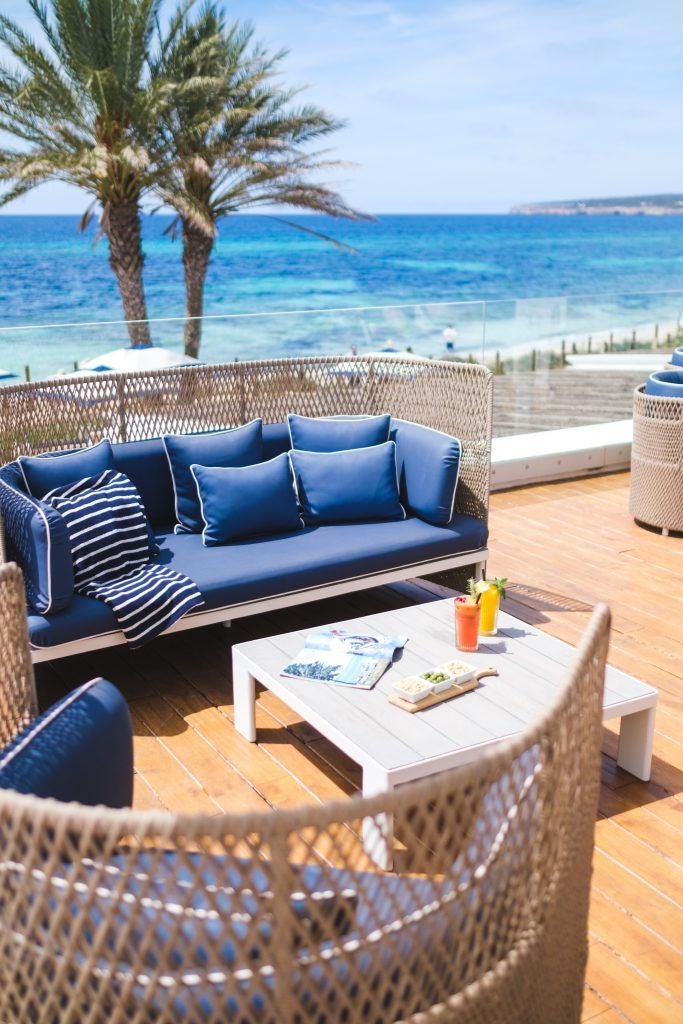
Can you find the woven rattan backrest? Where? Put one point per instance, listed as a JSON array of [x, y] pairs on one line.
[[17, 690], [110, 917], [453, 397]]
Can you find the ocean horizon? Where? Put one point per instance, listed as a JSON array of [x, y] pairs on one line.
[[52, 274]]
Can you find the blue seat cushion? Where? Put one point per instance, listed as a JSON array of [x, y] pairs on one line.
[[271, 566], [249, 501], [42, 473], [427, 463], [337, 433], [80, 749], [347, 487], [665, 384], [239, 446], [217, 937]]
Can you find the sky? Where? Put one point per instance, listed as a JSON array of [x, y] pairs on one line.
[[476, 105]]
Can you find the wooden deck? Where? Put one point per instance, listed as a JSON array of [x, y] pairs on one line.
[[564, 546]]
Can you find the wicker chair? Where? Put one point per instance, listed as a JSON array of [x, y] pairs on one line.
[[656, 496], [116, 916]]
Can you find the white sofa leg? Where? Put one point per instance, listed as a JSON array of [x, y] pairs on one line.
[[480, 570], [226, 624]]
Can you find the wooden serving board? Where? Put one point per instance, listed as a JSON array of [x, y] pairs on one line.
[[438, 698]]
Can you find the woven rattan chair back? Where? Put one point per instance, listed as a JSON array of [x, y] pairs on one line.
[[115, 917], [656, 492], [453, 397]]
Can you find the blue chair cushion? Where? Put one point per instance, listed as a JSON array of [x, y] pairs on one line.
[[427, 463], [665, 384], [337, 433], [218, 937], [80, 749], [240, 446], [42, 473], [36, 539], [250, 501], [359, 485], [273, 566], [677, 356]]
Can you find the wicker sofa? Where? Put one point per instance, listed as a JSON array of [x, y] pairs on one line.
[[427, 399], [115, 917]]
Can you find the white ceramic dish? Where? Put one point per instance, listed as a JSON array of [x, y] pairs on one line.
[[418, 694], [458, 672]]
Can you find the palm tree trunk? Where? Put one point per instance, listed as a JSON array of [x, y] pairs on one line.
[[126, 259], [197, 248]]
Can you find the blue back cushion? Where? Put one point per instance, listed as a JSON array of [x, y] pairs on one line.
[[344, 487], [428, 463], [37, 539], [81, 749], [241, 446], [337, 433], [42, 473], [146, 466], [245, 502], [276, 440]]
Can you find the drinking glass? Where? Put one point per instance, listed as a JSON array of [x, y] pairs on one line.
[[466, 624], [490, 606]]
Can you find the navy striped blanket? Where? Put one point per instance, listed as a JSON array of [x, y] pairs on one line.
[[112, 549]]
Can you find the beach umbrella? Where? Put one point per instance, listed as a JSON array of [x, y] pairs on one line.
[[128, 360], [6, 374]]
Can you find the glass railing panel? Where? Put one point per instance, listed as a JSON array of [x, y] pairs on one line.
[[559, 361]]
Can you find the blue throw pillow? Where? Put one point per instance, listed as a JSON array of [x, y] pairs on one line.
[[81, 749], [337, 433], [239, 446], [42, 473], [427, 464], [346, 487], [249, 502]]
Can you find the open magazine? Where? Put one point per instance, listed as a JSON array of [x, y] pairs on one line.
[[345, 658]]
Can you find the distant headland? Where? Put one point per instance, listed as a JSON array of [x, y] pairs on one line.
[[653, 206]]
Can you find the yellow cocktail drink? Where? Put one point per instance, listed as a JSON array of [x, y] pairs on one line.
[[490, 604]]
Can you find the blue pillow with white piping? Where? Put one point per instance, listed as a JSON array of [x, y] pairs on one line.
[[236, 447], [359, 485], [428, 466], [337, 433], [248, 501], [43, 473]]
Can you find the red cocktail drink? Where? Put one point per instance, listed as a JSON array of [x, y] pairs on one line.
[[467, 614]]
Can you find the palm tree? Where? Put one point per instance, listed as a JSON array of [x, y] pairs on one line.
[[231, 139], [79, 102]]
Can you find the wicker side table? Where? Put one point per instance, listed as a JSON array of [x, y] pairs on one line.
[[657, 461]]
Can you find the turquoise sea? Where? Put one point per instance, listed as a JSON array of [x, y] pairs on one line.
[[51, 274]]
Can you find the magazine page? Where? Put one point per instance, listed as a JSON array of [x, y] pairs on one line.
[[337, 667], [370, 645]]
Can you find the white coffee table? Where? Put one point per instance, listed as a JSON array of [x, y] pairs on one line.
[[393, 747]]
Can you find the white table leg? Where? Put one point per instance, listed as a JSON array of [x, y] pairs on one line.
[[378, 831], [244, 697], [635, 743]]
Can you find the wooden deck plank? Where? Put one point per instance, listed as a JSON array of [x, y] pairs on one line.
[[564, 547]]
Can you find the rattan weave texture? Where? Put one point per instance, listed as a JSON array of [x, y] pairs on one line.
[[454, 397], [656, 496], [115, 917]]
